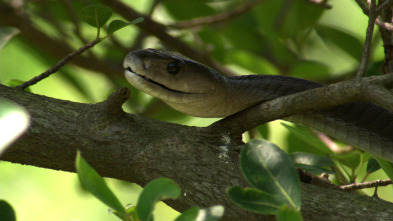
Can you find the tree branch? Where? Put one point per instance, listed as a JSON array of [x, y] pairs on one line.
[[372, 16], [136, 149], [359, 186]]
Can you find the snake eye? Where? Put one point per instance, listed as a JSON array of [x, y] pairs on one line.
[[174, 67]]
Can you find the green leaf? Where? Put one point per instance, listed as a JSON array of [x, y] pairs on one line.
[[96, 15], [14, 120], [156, 190], [254, 200], [342, 39], [386, 166], [116, 25], [251, 62], [306, 135], [189, 215], [6, 211], [351, 159], [311, 159], [6, 33], [97, 186], [372, 165], [313, 169], [311, 70], [286, 213], [268, 168]]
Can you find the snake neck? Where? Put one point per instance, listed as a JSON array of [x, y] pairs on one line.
[[245, 91]]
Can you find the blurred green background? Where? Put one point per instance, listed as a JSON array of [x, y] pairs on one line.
[[289, 37]]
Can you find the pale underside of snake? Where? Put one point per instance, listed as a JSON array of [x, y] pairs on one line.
[[198, 90]]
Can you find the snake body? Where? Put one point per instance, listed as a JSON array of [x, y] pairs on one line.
[[197, 90]]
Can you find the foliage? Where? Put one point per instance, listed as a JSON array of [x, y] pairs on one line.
[[275, 182], [276, 37], [97, 16], [6, 211], [156, 190]]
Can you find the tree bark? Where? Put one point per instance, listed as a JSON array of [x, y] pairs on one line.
[[137, 149]]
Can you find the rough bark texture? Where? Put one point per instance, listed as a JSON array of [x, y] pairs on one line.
[[137, 149]]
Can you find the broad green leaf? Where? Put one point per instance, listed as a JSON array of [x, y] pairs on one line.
[[6, 33], [254, 200], [306, 135], [189, 215], [251, 62], [180, 10], [311, 159], [372, 165], [7, 213], [299, 16], [342, 39], [352, 159], [268, 168], [14, 120], [96, 15], [386, 166], [116, 25], [97, 186], [313, 169], [264, 131], [310, 70], [213, 213], [286, 213], [156, 190]]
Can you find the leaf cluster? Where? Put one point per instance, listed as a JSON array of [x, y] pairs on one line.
[[155, 191]]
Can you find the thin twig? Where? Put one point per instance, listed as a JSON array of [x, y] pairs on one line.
[[385, 25], [367, 43], [382, 6], [57, 67], [217, 18], [362, 6], [359, 186]]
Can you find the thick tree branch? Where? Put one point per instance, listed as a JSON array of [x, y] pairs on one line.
[[137, 149]]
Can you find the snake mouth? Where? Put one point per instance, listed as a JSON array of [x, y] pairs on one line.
[[128, 69]]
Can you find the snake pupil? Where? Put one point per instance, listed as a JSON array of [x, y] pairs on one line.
[[174, 67]]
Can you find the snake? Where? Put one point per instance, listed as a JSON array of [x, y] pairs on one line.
[[197, 90]]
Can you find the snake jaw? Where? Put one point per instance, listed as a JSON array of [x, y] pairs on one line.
[[131, 65]]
